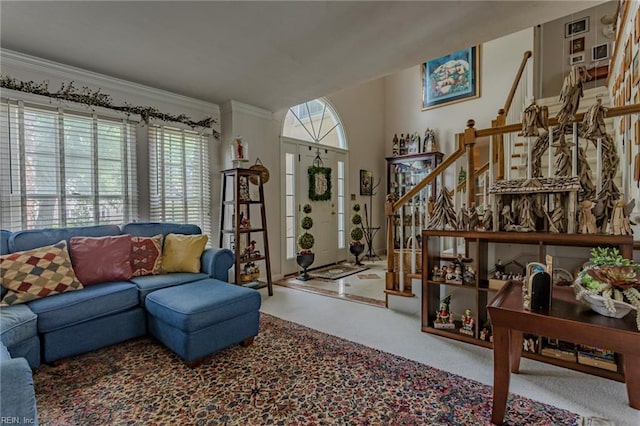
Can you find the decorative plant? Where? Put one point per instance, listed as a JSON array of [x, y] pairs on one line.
[[306, 240], [613, 277], [356, 233]]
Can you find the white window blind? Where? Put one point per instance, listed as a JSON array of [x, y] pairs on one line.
[[179, 177], [62, 168]]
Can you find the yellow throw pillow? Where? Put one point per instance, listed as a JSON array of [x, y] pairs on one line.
[[181, 253]]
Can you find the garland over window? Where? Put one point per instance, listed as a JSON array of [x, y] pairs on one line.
[[97, 98], [319, 183]]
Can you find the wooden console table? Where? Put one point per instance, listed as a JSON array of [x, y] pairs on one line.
[[567, 320]]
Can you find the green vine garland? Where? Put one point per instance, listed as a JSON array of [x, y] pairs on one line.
[[313, 171], [91, 98]]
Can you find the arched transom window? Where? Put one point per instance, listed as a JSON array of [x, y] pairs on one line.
[[315, 121]]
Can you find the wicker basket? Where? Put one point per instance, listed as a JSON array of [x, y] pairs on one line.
[[245, 278], [260, 167], [407, 253]]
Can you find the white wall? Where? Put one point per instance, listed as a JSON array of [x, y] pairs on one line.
[[361, 110], [555, 50], [499, 63]]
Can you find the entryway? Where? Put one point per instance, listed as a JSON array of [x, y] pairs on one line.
[[366, 286]]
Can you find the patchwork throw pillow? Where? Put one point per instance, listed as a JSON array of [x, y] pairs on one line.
[[101, 259], [146, 255], [36, 273], [181, 253]]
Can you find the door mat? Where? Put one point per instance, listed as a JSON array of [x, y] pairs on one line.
[[369, 276], [334, 272]]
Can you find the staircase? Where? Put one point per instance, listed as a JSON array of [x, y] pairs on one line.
[[507, 159]]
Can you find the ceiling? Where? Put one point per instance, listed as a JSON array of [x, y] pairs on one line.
[[268, 54]]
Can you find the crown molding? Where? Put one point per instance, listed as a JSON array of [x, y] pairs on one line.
[[45, 66], [239, 107]]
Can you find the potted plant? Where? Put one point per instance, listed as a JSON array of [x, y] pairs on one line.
[[355, 246], [305, 256], [610, 284]]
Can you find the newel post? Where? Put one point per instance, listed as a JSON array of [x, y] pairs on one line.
[[470, 143], [390, 276]]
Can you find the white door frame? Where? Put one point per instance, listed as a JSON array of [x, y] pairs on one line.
[[290, 145]]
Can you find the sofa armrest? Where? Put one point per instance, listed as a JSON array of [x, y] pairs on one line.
[[216, 262], [17, 394]]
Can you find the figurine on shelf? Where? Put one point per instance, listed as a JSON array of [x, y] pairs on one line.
[[395, 148], [244, 221], [454, 273], [444, 317], [437, 274], [467, 323], [469, 276], [587, 218], [244, 189], [620, 222], [429, 142], [250, 251], [506, 218], [487, 219], [472, 213]]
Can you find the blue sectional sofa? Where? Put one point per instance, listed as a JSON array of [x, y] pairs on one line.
[[66, 324]]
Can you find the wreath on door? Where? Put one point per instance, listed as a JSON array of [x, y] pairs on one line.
[[319, 183]]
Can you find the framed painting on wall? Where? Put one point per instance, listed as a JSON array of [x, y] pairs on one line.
[[578, 58], [600, 52], [366, 178], [579, 26], [451, 78], [576, 45]]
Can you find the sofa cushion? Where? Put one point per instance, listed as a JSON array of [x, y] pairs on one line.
[[98, 300], [36, 273], [101, 259], [150, 283], [17, 324], [149, 229], [4, 241], [32, 238], [4, 353], [181, 253], [197, 305], [18, 397], [146, 255]]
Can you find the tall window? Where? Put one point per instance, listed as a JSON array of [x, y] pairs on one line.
[[179, 177], [60, 167], [290, 202], [314, 121]]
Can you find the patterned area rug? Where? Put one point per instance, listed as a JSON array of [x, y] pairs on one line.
[[335, 272], [291, 375]]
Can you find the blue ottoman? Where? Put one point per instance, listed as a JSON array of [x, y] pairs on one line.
[[197, 319]]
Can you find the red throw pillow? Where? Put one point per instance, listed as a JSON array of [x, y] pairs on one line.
[[146, 255], [101, 259]]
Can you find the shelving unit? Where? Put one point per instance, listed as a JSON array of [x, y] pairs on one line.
[[403, 173], [478, 246], [237, 231]]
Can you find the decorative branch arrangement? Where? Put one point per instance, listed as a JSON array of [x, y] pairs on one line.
[[96, 98]]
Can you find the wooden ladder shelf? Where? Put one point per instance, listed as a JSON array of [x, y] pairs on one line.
[[239, 233]]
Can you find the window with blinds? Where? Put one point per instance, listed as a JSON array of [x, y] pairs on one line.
[[179, 177], [63, 168]]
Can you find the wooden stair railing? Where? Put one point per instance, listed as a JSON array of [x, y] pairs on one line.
[[501, 119]]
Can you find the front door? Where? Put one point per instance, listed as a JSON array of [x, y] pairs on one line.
[[329, 219], [324, 213]]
